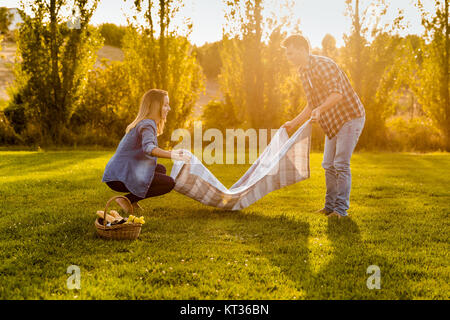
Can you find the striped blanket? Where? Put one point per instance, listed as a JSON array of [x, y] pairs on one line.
[[285, 161]]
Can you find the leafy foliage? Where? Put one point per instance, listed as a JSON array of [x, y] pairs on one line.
[[329, 47], [165, 62], [112, 34], [433, 76], [7, 134], [55, 62], [208, 57], [5, 20], [103, 112], [57, 97], [219, 115], [255, 74]]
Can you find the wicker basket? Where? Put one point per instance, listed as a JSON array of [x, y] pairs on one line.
[[124, 231]]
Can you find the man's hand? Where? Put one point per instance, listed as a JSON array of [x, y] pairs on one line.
[[315, 115], [289, 126]]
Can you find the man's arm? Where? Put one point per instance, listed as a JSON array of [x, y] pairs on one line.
[[332, 99], [314, 114], [290, 126]]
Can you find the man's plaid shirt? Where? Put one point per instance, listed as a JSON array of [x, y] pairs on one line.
[[320, 78]]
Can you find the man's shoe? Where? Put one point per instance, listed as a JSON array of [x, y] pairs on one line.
[[335, 214], [324, 211]]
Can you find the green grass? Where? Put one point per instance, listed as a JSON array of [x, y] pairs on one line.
[[274, 249]]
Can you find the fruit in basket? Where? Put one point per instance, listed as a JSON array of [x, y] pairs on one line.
[[133, 219]]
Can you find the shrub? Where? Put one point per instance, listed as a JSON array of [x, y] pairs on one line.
[[219, 115], [104, 111], [112, 34], [416, 134], [7, 134], [15, 113], [208, 56]]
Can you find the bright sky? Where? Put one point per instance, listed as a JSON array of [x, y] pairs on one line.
[[317, 17]]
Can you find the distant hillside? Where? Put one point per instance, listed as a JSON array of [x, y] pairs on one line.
[[6, 75], [109, 52]]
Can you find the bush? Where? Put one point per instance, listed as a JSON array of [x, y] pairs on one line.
[[7, 134], [104, 110], [417, 134], [15, 113], [219, 115], [112, 34], [208, 57]]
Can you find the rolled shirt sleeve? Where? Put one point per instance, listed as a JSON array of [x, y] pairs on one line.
[[149, 138]]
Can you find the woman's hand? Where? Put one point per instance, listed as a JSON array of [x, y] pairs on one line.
[[181, 155]]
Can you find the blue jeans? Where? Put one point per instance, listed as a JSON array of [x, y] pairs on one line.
[[336, 162]]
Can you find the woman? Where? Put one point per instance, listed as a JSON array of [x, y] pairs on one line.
[[133, 167]]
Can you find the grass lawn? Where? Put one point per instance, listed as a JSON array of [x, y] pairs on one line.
[[274, 249]]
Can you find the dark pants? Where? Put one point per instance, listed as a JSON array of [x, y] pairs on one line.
[[160, 185]]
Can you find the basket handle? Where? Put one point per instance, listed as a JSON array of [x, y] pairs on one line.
[[109, 201]]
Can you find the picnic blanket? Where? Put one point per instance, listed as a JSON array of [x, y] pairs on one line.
[[284, 161]]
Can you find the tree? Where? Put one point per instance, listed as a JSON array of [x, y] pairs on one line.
[[329, 47], [433, 77], [366, 62], [400, 77], [163, 61], [255, 74], [104, 110], [208, 56], [248, 47], [112, 34], [55, 62], [5, 20]]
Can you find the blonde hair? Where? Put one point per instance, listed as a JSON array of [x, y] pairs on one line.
[[151, 100]]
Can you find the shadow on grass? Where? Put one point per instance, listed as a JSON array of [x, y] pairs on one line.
[[51, 238], [167, 237], [280, 242], [345, 275]]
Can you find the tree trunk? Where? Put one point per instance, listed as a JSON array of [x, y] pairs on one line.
[[359, 47], [259, 69], [445, 84], [163, 57], [55, 113]]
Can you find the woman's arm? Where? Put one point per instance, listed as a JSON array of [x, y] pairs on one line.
[[174, 154], [149, 146], [160, 153]]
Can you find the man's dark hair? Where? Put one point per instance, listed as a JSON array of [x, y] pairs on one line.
[[297, 41]]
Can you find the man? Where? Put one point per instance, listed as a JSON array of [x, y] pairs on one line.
[[334, 104]]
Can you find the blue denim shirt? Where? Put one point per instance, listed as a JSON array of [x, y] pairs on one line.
[[132, 163]]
